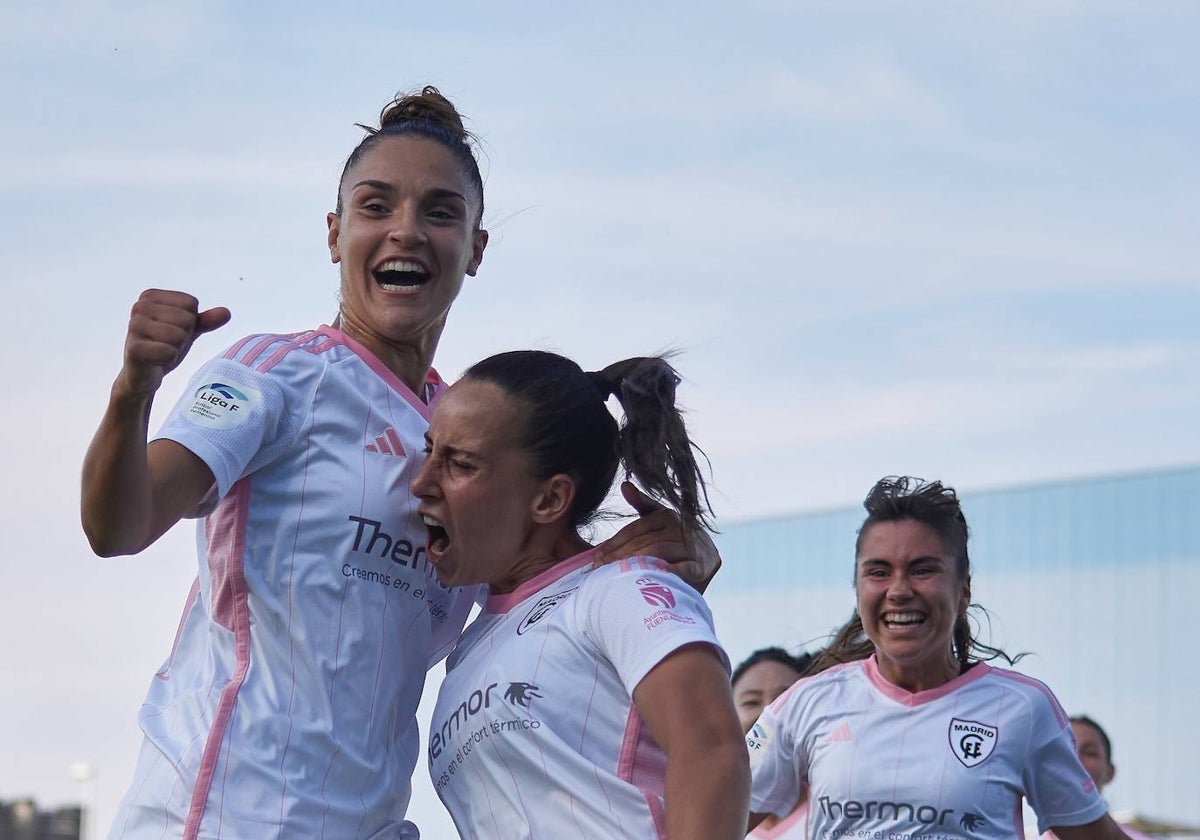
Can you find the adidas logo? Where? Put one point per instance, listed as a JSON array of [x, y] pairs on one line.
[[839, 735], [387, 443]]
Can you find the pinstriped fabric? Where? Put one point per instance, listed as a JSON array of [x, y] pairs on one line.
[[287, 708], [535, 728], [953, 762]]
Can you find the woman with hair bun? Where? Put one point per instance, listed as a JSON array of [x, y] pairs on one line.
[[287, 705], [582, 702], [908, 732]]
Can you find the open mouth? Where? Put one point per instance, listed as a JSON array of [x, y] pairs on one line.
[[900, 620], [398, 275], [437, 541]]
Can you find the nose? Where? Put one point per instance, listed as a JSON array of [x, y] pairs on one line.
[[407, 229], [899, 588]]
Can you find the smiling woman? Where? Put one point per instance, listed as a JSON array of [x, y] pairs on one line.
[[287, 705], [905, 731]]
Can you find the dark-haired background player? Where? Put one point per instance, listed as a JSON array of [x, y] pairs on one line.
[[912, 734]]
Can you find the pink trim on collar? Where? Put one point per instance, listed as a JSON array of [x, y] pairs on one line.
[[907, 698], [505, 601], [433, 382]]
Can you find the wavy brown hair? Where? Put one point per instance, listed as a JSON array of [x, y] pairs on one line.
[[931, 503]]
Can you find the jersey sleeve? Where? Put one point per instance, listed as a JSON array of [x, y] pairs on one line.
[[234, 418], [1060, 791], [636, 615], [778, 762]]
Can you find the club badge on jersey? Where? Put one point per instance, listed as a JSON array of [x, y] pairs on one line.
[[971, 741]]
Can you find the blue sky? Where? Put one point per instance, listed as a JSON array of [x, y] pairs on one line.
[[949, 239]]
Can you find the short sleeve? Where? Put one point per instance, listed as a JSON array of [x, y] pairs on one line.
[[233, 418], [1060, 791], [636, 614], [778, 763]]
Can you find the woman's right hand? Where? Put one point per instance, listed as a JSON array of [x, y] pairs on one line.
[[162, 326], [132, 493]]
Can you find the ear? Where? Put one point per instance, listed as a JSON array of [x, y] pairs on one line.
[[1110, 773], [553, 501], [477, 248], [335, 226], [964, 598]]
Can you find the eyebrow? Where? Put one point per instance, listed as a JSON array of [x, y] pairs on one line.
[[881, 561], [453, 450], [436, 192]]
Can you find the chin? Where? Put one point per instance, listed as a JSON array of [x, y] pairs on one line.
[[445, 576]]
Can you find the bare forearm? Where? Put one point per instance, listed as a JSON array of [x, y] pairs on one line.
[[708, 793], [116, 502]]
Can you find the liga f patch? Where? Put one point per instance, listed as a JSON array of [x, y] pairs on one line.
[[221, 406]]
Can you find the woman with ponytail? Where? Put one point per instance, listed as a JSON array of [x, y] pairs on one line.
[[583, 701], [287, 705], [906, 731]]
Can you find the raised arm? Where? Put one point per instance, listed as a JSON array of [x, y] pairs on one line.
[[687, 705], [132, 493]]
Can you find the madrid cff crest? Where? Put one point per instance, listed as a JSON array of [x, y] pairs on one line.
[[971, 741]]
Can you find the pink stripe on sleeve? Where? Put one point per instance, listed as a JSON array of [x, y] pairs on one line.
[[272, 360], [232, 352], [1061, 715], [258, 349]]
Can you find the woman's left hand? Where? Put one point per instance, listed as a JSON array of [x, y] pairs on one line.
[[658, 532]]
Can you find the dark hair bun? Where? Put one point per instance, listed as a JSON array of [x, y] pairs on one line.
[[427, 106]]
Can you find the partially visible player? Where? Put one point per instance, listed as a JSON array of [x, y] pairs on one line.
[[757, 681], [582, 702], [761, 677], [1095, 753], [913, 735]]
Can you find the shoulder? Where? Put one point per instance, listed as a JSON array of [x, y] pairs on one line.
[[1014, 682], [647, 578], [1035, 695], [808, 690], [262, 352]]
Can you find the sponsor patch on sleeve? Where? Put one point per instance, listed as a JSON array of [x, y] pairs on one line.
[[758, 740], [221, 406]]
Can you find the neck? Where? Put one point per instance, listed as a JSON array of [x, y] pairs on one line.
[[538, 560], [410, 359], [917, 677]]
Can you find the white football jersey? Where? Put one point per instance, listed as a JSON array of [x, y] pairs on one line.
[[792, 827], [287, 706], [535, 734], [953, 762]]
